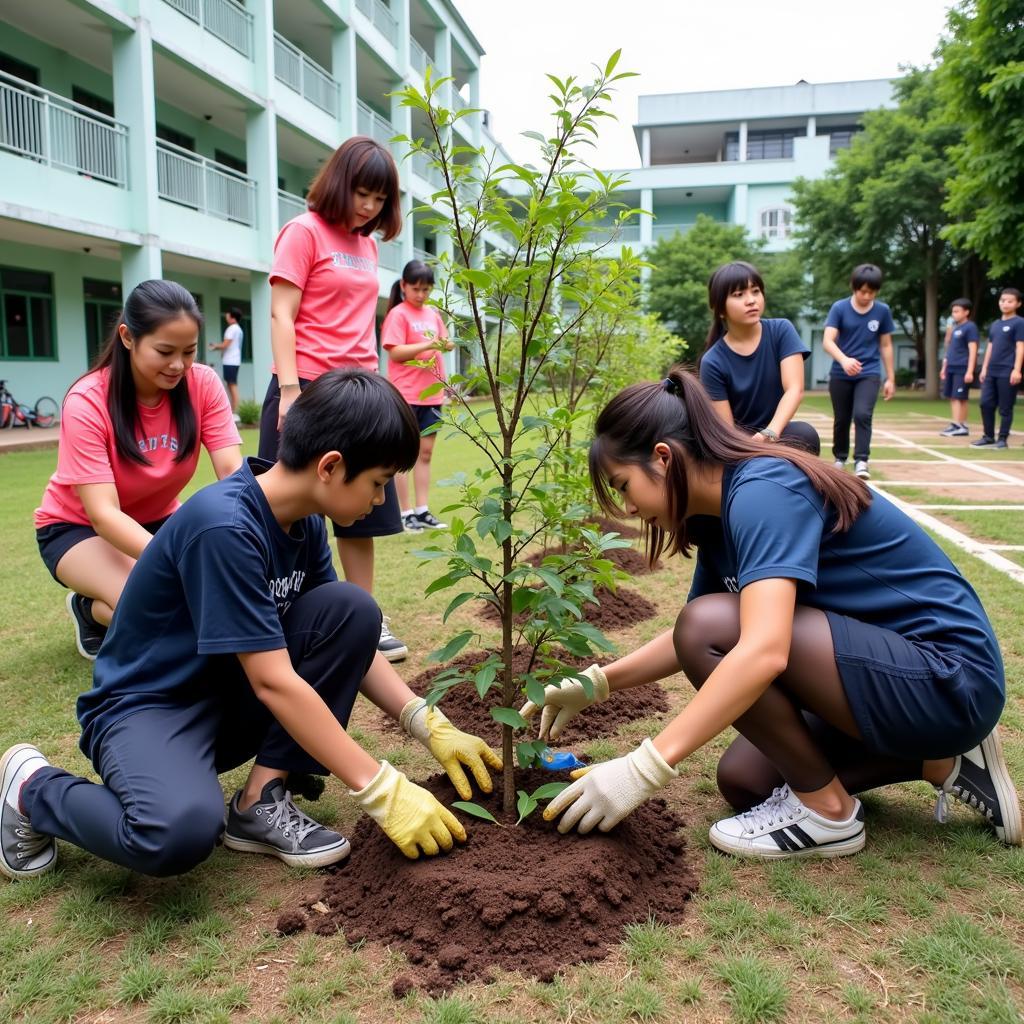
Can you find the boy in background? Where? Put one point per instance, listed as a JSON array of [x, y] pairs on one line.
[[958, 364], [1001, 371], [231, 346]]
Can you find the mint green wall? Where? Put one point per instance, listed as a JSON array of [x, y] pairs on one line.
[[296, 179], [686, 213], [208, 136], [58, 71]]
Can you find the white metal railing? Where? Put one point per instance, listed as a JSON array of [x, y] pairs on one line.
[[380, 14], [454, 98], [228, 21], [389, 254], [206, 186], [44, 126], [418, 56], [288, 206], [422, 254], [369, 122], [668, 230], [304, 75], [609, 232], [424, 167]]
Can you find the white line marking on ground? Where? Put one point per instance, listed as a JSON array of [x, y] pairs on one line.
[[1007, 547], [1019, 482], [967, 508], [972, 464]]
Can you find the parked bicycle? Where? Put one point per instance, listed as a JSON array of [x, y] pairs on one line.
[[16, 414]]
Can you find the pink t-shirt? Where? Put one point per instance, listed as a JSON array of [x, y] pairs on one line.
[[87, 453], [337, 272], [406, 325]]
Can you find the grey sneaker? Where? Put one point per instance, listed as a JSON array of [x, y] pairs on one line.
[[428, 521], [1002, 443], [980, 779], [24, 852], [961, 431], [860, 469], [389, 645], [89, 633], [983, 442], [950, 431], [411, 523], [276, 826]]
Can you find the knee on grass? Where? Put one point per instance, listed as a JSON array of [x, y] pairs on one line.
[[179, 843]]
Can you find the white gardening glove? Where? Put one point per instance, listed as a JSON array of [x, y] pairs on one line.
[[604, 794], [564, 702]]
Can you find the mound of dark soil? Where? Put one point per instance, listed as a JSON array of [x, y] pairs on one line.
[[464, 707], [524, 899], [629, 560], [615, 610]]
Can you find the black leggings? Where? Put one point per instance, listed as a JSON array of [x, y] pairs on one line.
[[998, 391], [853, 398]]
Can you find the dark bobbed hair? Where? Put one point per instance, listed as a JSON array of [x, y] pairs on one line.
[[866, 274], [235, 312], [357, 413], [414, 272], [642, 415], [963, 304], [358, 162], [728, 278], [1015, 292], [149, 306]]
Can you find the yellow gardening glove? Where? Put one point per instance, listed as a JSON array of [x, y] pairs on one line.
[[564, 702], [411, 818], [452, 747]]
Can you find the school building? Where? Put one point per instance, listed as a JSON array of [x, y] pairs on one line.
[[172, 138]]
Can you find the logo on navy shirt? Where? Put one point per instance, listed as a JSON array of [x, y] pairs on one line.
[[731, 583], [872, 326], [285, 589], [1006, 329], [150, 444], [346, 259]]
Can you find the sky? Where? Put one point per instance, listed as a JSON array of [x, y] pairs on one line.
[[683, 46]]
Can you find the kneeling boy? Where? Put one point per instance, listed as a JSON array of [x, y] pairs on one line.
[[234, 639]]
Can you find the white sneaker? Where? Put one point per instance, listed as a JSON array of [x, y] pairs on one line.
[[839, 463], [860, 469], [784, 827], [389, 645], [24, 852]]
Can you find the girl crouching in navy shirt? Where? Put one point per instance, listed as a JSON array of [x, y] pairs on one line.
[[822, 623], [752, 368]]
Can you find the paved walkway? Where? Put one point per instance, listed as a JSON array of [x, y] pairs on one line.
[[27, 438]]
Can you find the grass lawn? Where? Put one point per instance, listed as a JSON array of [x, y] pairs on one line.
[[927, 925]]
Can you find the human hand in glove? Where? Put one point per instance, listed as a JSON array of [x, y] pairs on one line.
[[564, 702], [452, 747], [604, 794], [411, 818]]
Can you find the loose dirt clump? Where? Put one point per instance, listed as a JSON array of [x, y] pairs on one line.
[[464, 707], [615, 610], [629, 560], [519, 898]]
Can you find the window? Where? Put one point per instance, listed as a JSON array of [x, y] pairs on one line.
[[174, 137], [92, 101], [19, 69], [229, 160], [776, 222], [764, 144], [102, 302], [841, 138], [26, 330]]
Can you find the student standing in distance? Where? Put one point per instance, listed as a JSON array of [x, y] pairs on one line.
[[858, 336], [752, 368], [1001, 371], [231, 346], [234, 640], [323, 308], [958, 363], [130, 434], [822, 622], [414, 332]]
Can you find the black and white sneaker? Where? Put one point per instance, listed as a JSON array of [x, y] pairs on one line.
[[983, 442], [950, 431], [980, 779], [24, 852], [428, 521], [89, 633], [411, 523], [860, 469], [783, 827], [389, 645], [276, 826], [960, 431]]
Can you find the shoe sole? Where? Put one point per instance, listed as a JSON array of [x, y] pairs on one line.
[[74, 622], [398, 654], [322, 859], [839, 849], [1009, 803], [863, 476], [5, 868]]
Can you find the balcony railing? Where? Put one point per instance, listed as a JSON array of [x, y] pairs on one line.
[[389, 255], [228, 21], [43, 126], [304, 75], [204, 185], [453, 98], [418, 56], [288, 206], [422, 254], [668, 230], [424, 168], [380, 14], [369, 122], [609, 233]]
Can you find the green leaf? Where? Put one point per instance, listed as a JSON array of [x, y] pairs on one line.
[[535, 692], [526, 755], [549, 790], [434, 388], [526, 805], [457, 603], [476, 810], [509, 716], [451, 648]]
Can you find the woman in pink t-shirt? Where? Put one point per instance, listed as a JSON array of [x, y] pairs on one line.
[[414, 333], [323, 308], [130, 434]]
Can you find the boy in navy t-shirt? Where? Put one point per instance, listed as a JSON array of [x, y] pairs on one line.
[[1001, 371], [233, 640], [858, 336], [958, 363]]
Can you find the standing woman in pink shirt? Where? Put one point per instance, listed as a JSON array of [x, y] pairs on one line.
[[323, 306], [413, 334], [130, 434]]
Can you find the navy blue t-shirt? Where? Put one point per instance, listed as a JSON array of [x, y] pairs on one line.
[[752, 384], [960, 337], [214, 581], [1003, 336], [859, 333], [885, 570]]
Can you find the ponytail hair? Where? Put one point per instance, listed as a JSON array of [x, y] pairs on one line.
[[728, 278], [149, 306], [414, 272], [677, 412]]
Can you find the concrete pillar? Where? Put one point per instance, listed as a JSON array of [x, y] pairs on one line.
[[742, 154], [261, 157], [343, 68], [812, 126], [400, 12], [262, 12], [645, 148], [262, 358], [646, 219], [740, 202]]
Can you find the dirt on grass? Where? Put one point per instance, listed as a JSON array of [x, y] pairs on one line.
[[523, 898], [618, 609]]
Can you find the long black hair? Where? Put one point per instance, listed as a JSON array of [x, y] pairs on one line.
[[414, 272], [149, 306], [728, 278], [677, 412]]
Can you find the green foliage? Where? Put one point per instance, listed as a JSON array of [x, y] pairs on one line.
[[981, 77], [249, 412]]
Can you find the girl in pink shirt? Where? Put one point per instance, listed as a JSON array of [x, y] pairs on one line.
[[130, 433], [323, 310], [414, 333]]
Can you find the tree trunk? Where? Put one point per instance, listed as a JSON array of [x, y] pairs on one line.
[[508, 689], [931, 326]]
